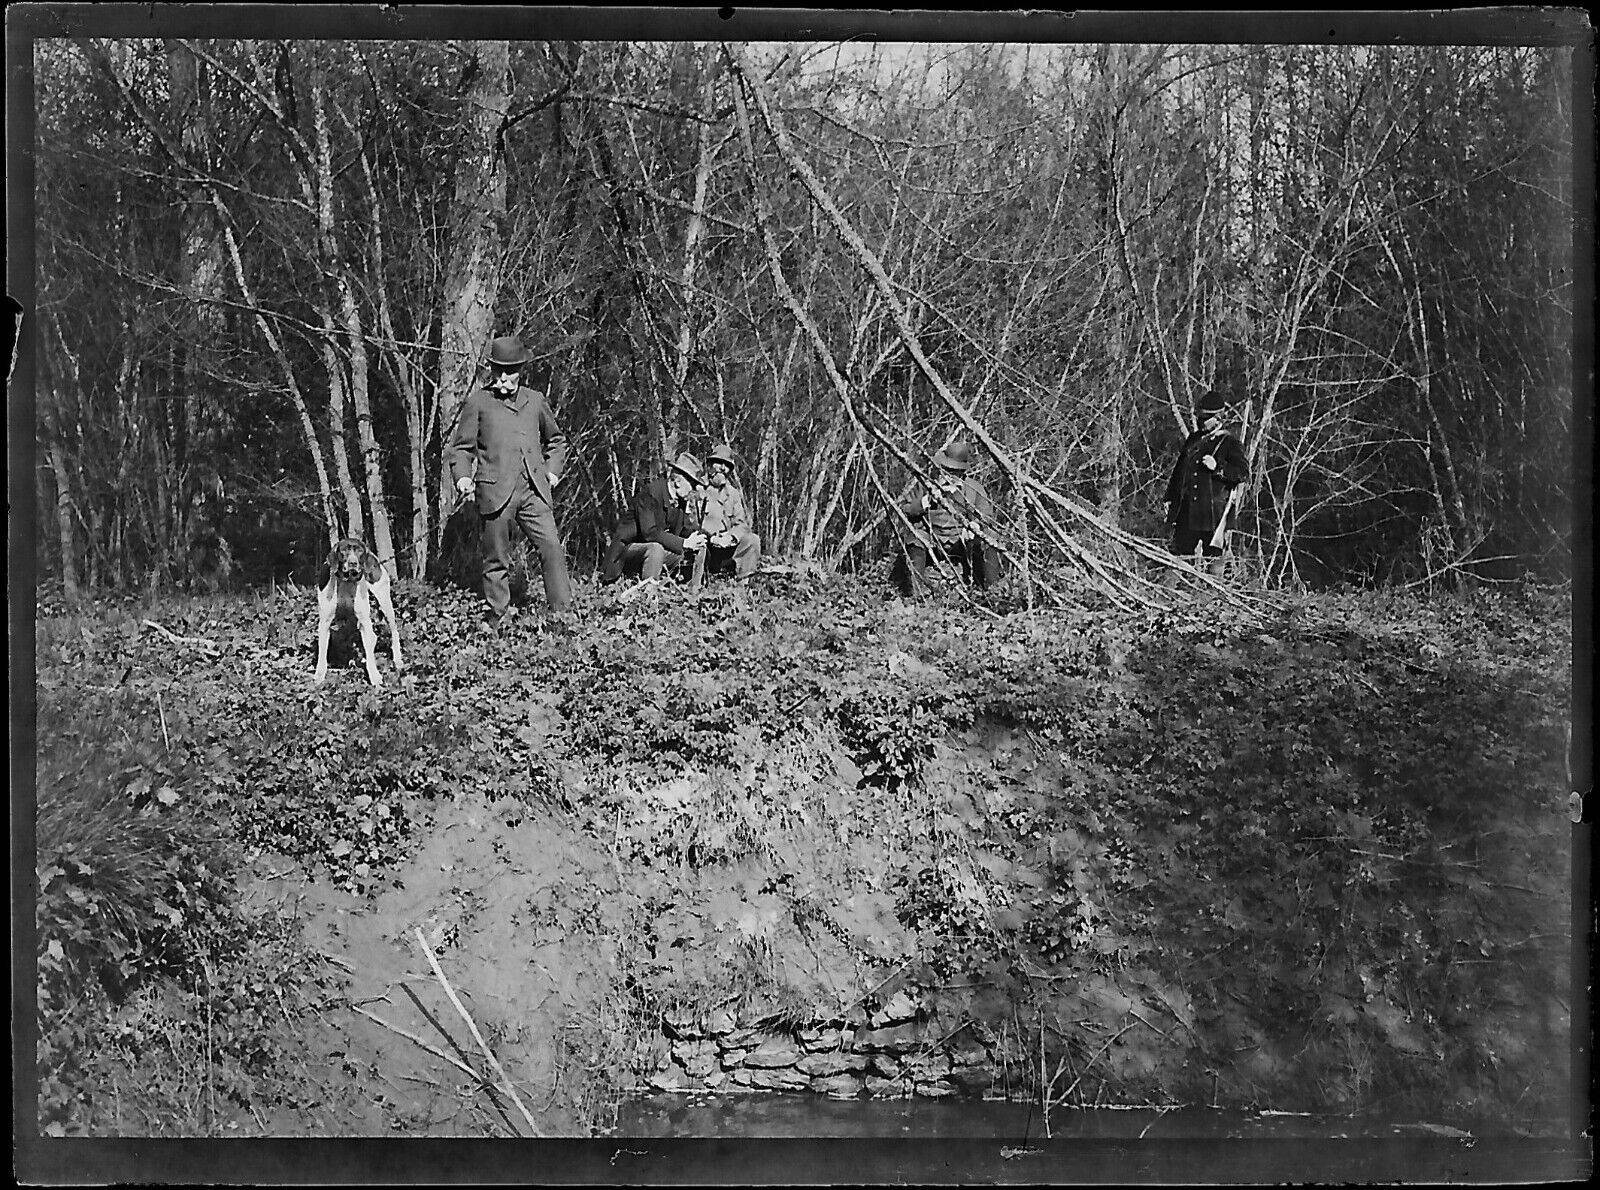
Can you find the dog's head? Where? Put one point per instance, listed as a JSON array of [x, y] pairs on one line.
[[347, 560]]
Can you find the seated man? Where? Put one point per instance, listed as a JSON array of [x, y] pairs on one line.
[[947, 521], [664, 526], [732, 544]]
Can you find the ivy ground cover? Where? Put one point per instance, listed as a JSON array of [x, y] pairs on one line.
[[1319, 861]]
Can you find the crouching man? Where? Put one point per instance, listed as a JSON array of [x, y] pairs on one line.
[[947, 521], [732, 546], [662, 529]]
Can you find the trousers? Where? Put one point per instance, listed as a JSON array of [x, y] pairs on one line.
[[537, 520], [742, 557], [971, 556]]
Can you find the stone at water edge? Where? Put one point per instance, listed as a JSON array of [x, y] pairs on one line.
[[968, 1052], [973, 1080], [773, 1053], [783, 1079], [686, 1050], [838, 1086], [928, 1066], [887, 1065], [937, 1089], [702, 1067], [902, 1007], [820, 1040], [671, 1079], [887, 1088], [827, 1065], [895, 1038], [733, 1058]]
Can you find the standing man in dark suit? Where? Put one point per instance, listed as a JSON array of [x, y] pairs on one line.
[[520, 452], [1210, 464], [662, 529]]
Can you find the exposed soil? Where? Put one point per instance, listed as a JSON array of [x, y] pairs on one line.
[[1316, 864]]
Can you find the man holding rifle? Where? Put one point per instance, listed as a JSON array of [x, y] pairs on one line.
[[1209, 469], [947, 522]]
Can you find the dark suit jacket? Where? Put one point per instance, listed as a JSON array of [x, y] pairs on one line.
[[659, 518], [507, 437], [1195, 496]]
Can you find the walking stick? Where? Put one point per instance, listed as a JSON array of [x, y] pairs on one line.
[[697, 575]]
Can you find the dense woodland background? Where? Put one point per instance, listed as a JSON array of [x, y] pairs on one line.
[[268, 270]]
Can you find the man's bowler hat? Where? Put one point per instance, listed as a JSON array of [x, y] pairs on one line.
[[508, 352]]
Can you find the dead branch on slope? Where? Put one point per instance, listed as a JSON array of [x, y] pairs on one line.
[[1121, 584]]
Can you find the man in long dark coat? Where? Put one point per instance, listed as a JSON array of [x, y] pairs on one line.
[[1209, 466], [507, 430]]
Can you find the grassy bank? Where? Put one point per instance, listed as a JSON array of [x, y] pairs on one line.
[[1317, 863]]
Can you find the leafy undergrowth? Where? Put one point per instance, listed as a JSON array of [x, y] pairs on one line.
[[1314, 862]]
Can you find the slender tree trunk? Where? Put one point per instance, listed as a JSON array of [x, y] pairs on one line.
[[201, 275], [352, 332], [297, 397], [338, 435], [399, 368], [477, 217], [693, 234], [61, 471]]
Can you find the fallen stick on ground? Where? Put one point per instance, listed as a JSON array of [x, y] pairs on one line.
[[434, 1050], [449, 991], [182, 640]]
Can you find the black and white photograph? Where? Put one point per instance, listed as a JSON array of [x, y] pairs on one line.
[[732, 596]]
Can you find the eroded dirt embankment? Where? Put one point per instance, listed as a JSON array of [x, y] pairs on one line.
[[816, 841]]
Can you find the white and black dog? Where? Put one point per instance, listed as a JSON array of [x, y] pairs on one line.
[[355, 577]]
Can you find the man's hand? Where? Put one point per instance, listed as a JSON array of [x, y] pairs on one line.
[[464, 485], [1209, 462], [554, 479], [695, 542], [940, 491]]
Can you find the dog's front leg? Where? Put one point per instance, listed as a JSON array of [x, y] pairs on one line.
[[327, 603], [382, 592], [369, 636]]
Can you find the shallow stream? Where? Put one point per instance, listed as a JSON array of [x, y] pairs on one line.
[[798, 1115], [762, 1137]]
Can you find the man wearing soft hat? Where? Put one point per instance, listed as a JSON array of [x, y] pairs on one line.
[[948, 519], [731, 543], [508, 449], [1210, 464], [663, 525]]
